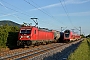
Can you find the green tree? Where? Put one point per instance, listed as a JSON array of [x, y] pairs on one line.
[[88, 36], [83, 36]]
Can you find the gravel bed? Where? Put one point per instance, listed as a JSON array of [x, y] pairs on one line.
[[60, 53]]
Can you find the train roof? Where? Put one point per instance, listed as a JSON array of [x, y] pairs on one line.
[[71, 32], [67, 31], [27, 27], [42, 29]]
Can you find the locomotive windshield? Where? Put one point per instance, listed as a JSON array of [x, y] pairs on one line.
[[67, 33], [25, 32]]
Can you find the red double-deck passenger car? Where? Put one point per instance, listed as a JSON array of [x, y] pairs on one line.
[[71, 36]]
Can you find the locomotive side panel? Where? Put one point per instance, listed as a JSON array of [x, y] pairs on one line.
[[32, 35], [45, 35]]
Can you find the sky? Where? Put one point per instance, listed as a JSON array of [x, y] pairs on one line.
[[51, 14]]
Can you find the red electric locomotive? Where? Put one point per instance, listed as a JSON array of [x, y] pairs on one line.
[[30, 35], [70, 36]]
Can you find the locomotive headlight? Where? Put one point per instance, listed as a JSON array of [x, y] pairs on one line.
[[28, 36], [21, 36]]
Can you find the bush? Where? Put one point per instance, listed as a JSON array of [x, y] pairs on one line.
[[8, 35], [3, 36]]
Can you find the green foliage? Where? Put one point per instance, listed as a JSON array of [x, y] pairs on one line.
[[88, 36], [82, 36], [6, 35], [82, 52], [3, 35]]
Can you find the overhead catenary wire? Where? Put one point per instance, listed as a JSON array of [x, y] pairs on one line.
[[16, 16], [37, 8], [16, 8], [13, 9], [43, 11], [21, 10], [25, 13], [66, 11], [68, 14], [16, 11]]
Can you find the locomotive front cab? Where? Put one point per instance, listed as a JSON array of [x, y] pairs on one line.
[[25, 34], [67, 34], [24, 37]]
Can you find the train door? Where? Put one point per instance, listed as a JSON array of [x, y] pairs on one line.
[[35, 34]]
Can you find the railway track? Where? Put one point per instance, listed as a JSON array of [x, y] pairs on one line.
[[33, 53]]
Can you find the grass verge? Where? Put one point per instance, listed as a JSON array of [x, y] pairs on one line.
[[82, 52]]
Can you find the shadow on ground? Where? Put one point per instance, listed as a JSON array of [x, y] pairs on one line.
[[64, 54]]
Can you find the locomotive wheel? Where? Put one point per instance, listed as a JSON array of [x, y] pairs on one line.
[[18, 43], [29, 43]]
